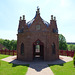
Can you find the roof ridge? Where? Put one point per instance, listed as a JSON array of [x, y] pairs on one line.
[[45, 22], [31, 21]]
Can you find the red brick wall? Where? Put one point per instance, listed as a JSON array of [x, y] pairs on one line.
[[30, 35]]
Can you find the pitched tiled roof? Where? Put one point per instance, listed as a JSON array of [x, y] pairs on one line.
[[45, 22], [31, 21]]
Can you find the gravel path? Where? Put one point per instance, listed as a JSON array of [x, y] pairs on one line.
[[39, 67]]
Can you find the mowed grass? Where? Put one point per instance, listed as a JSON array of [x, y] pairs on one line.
[[3, 56], [11, 69], [63, 69]]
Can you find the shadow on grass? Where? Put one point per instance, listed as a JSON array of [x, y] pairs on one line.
[[38, 65], [14, 65], [55, 64]]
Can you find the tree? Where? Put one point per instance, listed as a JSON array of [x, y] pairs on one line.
[[62, 42], [1, 41], [13, 44], [71, 47], [9, 44], [6, 43]]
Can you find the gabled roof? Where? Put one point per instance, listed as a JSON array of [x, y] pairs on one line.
[[31, 21], [45, 22]]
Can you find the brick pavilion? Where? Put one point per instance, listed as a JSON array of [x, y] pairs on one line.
[[37, 39]]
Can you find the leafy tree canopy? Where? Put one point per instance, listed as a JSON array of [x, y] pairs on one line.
[[10, 44], [71, 47], [62, 42]]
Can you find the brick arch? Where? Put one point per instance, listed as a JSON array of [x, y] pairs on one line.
[[38, 42]]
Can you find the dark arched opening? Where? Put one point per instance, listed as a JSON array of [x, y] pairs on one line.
[[22, 48], [53, 49], [38, 50]]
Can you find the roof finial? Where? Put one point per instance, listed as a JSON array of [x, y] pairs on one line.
[[37, 7], [54, 18], [51, 17], [23, 17], [20, 18], [37, 10]]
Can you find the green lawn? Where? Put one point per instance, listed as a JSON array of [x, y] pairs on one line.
[[3, 56], [63, 69], [11, 69]]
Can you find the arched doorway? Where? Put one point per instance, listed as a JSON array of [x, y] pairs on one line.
[[38, 50]]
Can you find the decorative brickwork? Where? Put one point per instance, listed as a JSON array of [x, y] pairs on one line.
[[38, 32]]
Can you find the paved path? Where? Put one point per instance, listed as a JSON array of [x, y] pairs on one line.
[[9, 59], [38, 67]]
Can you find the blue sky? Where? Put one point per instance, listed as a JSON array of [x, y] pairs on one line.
[[11, 10]]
